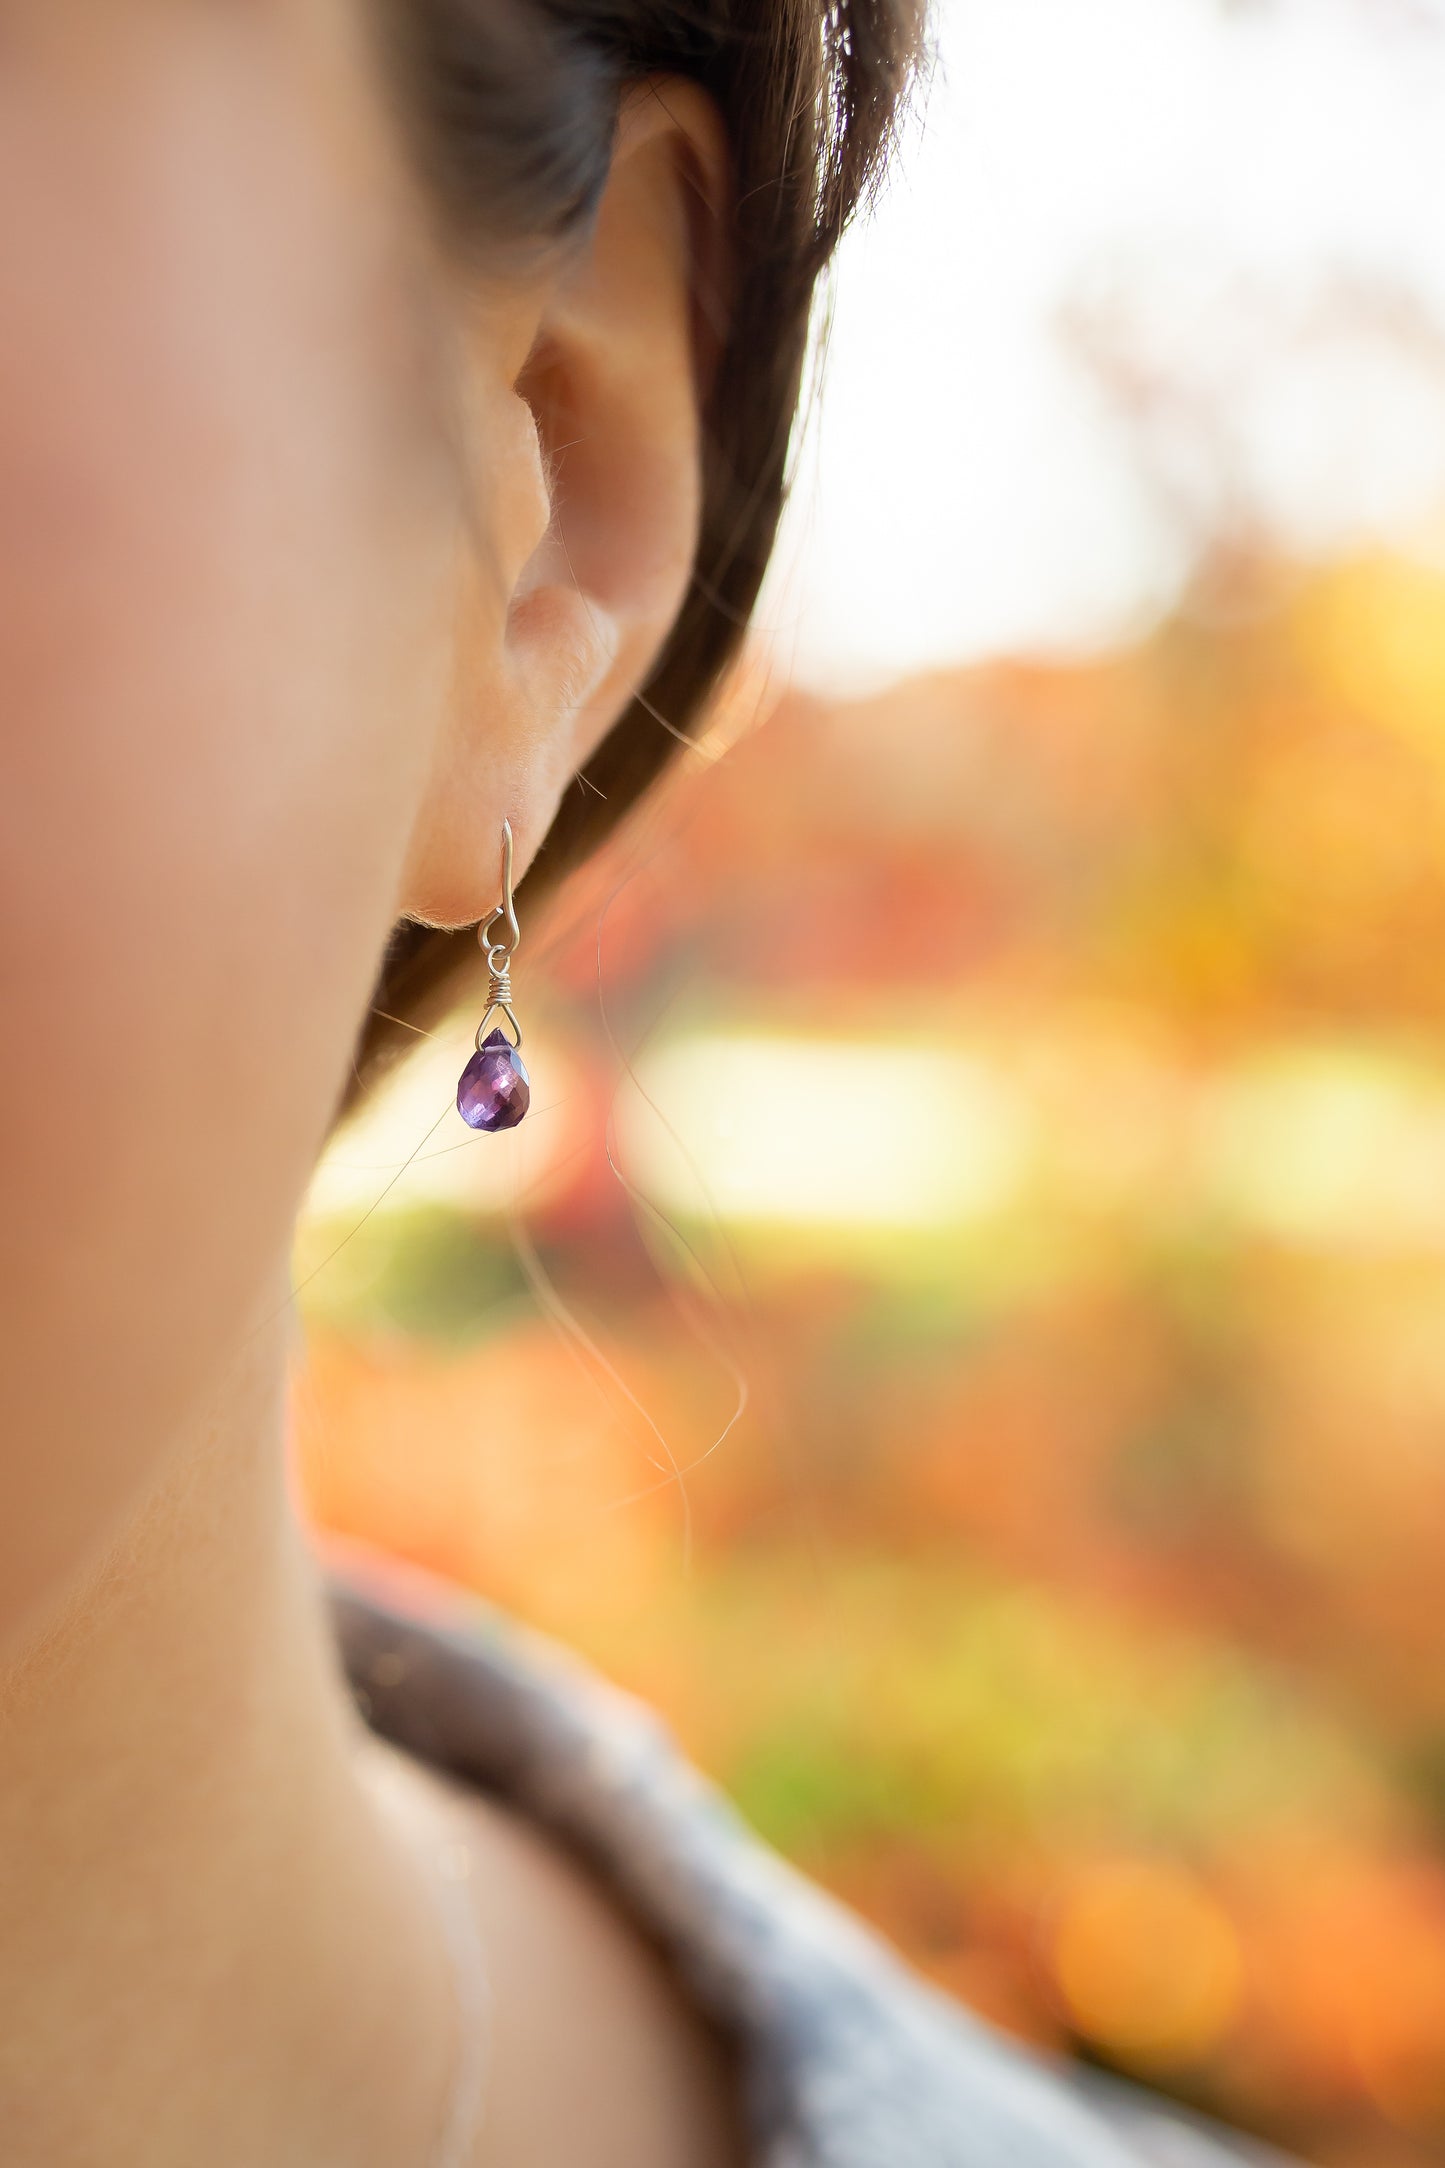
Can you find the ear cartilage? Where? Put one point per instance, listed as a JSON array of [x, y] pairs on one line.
[[494, 1090]]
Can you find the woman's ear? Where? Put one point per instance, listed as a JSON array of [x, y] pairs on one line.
[[588, 493]]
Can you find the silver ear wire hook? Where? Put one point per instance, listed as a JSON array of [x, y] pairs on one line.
[[500, 951], [507, 907]]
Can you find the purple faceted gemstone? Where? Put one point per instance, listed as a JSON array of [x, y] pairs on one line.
[[494, 1090]]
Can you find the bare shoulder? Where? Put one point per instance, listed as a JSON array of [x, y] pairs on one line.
[[598, 2059]]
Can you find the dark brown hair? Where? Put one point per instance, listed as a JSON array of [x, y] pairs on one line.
[[514, 104]]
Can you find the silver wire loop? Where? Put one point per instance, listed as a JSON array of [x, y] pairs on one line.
[[500, 951]]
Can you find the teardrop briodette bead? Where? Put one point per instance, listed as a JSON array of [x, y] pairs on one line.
[[494, 1090]]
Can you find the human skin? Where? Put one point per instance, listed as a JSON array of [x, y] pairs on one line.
[[292, 615]]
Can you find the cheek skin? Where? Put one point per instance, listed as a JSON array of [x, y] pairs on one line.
[[227, 542]]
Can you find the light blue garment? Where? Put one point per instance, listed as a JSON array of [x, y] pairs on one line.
[[849, 2059]]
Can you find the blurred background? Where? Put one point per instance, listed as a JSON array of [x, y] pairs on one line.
[[962, 1328]]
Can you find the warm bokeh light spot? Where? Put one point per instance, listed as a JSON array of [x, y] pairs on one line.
[[860, 1132], [1148, 1962], [1377, 641]]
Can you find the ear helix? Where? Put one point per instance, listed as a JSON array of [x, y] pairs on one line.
[[494, 1090]]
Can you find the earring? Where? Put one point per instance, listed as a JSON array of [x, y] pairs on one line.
[[494, 1090]]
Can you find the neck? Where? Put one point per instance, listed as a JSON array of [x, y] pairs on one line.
[[208, 1932]]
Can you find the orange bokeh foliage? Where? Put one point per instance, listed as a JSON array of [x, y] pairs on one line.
[[1069, 1595]]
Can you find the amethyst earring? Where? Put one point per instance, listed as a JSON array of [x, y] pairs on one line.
[[494, 1090]]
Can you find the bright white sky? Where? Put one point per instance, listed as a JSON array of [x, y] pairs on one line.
[[1201, 176]]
